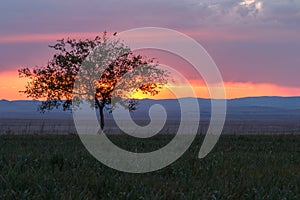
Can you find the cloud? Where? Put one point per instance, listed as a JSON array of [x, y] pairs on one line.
[[243, 36], [251, 7], [249, 12], [282, 12], [50, 37], [116, 15]]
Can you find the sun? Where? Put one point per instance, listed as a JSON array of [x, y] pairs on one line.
[[139, 95]]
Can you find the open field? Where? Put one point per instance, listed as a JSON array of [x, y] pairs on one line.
[[253, 115], [239, 167], [66, 126]]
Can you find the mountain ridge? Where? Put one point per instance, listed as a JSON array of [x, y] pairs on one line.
[[251, 108]]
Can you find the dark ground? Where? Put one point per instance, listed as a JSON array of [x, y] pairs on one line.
[[239, 167]]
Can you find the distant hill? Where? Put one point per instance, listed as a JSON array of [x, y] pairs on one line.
[[251, 108]]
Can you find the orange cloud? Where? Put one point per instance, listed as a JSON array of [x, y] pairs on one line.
[[46, 37], [11, 84], [215, 34], [246, 89], [233, 90], [242, 34]]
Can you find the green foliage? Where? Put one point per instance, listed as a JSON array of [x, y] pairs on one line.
[[240, 167]]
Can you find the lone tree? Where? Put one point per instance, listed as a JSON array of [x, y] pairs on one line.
[[109, 67]]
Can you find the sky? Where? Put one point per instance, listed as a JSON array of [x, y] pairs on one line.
[[255, 43]]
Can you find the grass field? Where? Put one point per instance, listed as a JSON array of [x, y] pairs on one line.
[[239, 167]]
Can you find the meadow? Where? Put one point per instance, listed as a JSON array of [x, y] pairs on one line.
[[239, 167]]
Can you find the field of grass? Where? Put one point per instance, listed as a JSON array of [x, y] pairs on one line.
[[239, 167]]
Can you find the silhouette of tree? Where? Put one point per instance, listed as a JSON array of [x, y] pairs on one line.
[[108, 67]]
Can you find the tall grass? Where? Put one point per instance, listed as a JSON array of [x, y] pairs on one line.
[[239, 167]]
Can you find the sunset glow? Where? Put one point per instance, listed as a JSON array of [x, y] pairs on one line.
[[233, 90], [11, 84], [254, 43]]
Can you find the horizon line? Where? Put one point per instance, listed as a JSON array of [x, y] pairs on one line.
[[177, 98]]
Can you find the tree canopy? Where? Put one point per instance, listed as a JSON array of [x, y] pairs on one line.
[[107, 66]]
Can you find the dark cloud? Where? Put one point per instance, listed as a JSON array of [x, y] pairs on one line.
[[76, 15]]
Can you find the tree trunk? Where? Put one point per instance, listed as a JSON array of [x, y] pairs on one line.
[[101, 108], [101, 117]]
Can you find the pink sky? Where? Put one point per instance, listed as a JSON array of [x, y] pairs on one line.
[[255, 44]]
